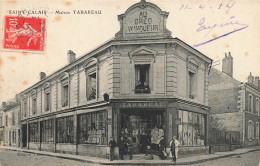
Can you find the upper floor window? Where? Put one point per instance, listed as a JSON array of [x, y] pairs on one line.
[[91, 78], [65, 95], [191, 85], [1, 122], [250, 103], [193, 66], [64, 89], [142, 78], [47, 93], [257, 106], [47, 101], [6, 120], [91, 86], [34, 107], [13, 118], [25, 108], [250, 131]]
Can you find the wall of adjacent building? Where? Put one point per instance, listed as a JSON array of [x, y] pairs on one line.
[[223, 93]]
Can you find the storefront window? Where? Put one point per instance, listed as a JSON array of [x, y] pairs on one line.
[[191, 130], [146, 127], [33, 132], [47, 130], [92, 128], [65, 132], [14, 137]]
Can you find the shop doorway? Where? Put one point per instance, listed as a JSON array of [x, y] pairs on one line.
[[145, 126], [24, 135]]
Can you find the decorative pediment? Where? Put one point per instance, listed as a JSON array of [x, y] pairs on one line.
[[64, 76], [33, 94], [193, 63], [46, 87], [90, 62], [142, 51]]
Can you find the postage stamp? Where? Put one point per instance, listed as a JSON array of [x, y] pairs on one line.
[[24, 33]]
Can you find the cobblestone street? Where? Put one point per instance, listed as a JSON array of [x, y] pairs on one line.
[[248, 159], [14, 158]]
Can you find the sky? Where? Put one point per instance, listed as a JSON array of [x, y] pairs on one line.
[[212, 27]]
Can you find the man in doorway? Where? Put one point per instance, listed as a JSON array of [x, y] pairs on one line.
[[162, 148], [130, 147], [112, 145]]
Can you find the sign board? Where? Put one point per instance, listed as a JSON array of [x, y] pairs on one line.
[[143, 20]]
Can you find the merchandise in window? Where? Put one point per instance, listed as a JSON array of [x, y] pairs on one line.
[[33, 130], [92, 128], [47, 130], [65, 130], [191, 130]]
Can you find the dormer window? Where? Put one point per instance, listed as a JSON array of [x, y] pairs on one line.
[[142, 78]]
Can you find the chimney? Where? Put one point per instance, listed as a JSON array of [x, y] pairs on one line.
[[42, 75], [71, 56], [256, 82], [250, 78], [3, 104], [227, 64]]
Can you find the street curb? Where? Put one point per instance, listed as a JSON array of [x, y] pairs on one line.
[[129, 163]]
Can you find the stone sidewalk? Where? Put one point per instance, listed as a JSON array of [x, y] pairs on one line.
[[182, 161]]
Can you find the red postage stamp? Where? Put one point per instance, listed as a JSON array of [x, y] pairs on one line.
[[24, 33]]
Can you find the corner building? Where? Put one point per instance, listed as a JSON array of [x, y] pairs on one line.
[[143, 83]]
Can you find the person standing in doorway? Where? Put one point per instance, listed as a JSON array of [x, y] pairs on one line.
[[112, 145], [174, 148], [122, 147], [162, 148], [130, 147]]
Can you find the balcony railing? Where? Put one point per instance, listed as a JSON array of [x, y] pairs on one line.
[[142, 90]]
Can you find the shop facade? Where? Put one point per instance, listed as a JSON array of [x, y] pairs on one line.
[[142, 84]]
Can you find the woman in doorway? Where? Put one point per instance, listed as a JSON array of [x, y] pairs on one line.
[[174, 148]]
